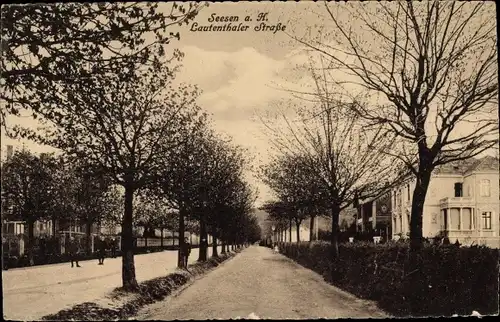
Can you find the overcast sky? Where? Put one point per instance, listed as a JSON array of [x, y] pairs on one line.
[[242, 74]]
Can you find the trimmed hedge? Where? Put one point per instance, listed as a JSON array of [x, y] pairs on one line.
[[452, 280], [149, 292]]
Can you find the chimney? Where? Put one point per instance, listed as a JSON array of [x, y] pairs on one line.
[[10, 151]]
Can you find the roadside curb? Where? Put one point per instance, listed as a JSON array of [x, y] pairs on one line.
[[149, 292]]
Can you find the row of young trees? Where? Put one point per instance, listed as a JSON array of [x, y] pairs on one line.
[[412, 87], [101, 81], [299, 195]]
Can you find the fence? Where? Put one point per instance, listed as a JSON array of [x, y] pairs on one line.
[[167, 241], [47, 250]]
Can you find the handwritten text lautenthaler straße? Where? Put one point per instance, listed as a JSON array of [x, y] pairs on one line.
[[238, 24]]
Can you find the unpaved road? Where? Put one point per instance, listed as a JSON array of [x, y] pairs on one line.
[[258, 282], [32, 292]]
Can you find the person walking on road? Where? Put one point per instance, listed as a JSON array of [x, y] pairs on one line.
[[73, 249], [101, 250], [114, 246], [185, 252]]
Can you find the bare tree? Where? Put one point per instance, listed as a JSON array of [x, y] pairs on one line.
[[435, 66], [126, 125], [182, 184], [345, 158], [293, 180], [281, 217], [228, 194], [282, 175]]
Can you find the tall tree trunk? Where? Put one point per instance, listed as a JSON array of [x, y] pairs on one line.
[[297, 224], [413, 267], [311, 229], [358, 216], [203, 240], [128, 268], [54, 222], [417, 208], [335, 209], [290, 235], [182, 228], [161, 238], [214, 245], [223, 251], [31, 241], [88, 233]]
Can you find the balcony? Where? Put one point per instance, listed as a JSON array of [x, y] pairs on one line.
[[456, 202]]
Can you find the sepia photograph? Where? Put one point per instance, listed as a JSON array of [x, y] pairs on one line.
[[249, 160]]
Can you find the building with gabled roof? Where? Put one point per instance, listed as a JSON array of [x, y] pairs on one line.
[[462, 203]]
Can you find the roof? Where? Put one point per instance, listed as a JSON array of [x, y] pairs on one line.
[[487, 163], [455, 167]]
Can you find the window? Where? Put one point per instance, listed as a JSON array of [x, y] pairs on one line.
[[458, 189], [8, 228], [485, 188], [486, 220]]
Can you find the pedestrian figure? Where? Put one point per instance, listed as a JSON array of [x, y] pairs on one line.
[[185, 252], [73, 249], [43, 249], [101, 250], [114, 246]]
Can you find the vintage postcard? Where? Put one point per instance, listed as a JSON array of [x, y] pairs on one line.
[[249, 160]]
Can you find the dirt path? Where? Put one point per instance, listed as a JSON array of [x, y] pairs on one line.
[[260, 283]]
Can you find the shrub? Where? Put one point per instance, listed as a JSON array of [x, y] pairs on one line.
[[451, 280]]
